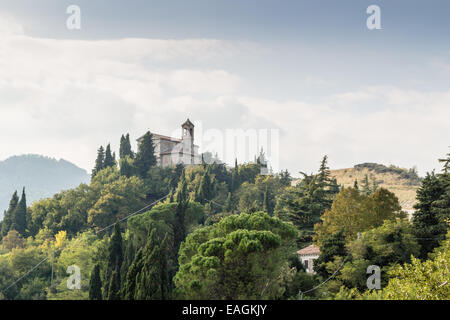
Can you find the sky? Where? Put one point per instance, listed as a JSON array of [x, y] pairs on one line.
[[310, 69]]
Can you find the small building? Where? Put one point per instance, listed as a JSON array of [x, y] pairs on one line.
[[307, 256], [171, 151]]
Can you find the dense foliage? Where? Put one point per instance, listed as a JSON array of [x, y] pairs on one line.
[[139, 231]]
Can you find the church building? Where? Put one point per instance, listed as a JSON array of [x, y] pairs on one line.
[[171, 151]]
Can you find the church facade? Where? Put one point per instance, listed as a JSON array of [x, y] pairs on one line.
[[170, 151]]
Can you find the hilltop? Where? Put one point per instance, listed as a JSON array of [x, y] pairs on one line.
[[403, 182], [41, 176]]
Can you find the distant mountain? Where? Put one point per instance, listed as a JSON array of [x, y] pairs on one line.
[[403, 182], [41, 176]]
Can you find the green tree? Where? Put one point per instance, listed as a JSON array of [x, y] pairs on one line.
[[95, 284], [145, 157], [429, 226], [116, 200], [182, 200], [285, 178], [114, 263], [114, 286], [152, 280], [12, 240], [19, 221], [384, 246], [99, 161], [129, 289], [355, 212], [109, 160], [8, 215], [125, 147], [332, 246], [205, 190], [366, 186], [419, 280], [241, 257], [127, 167]]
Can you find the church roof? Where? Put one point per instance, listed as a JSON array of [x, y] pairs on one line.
[[188, 123], [155, 135]]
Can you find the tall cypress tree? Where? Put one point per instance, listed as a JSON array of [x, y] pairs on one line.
[[110, 160], [129, 288], [268, 204], [235, 180], [152, 282], [125, 147], [205, 189], [19, 221], [182, 199], [128, 259], [145, 157], [8, 216], [95, 284], [115, 255], [114, 286], [127, 167], [99, 162]]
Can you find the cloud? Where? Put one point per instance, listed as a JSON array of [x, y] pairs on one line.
[[391, 126], [63, 98]]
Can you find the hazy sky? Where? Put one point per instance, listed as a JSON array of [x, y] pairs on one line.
[[311, 69]]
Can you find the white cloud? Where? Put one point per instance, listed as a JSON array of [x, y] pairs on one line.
[[63, 98]]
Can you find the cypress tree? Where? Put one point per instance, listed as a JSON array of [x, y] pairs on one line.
[[125, 147], [267, 202], [182, 199], [109, 161], [128, 259], [145, 157], [8, 215], [99, 162], [235, 180], [114, 286], [115, 255], [153, 281], [95, 284], [355, 184], [205, 189], [127, 168], [19, 221], [228, 204], [129, 288], [365, 186]]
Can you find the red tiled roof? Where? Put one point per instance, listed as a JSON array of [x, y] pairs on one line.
[[312, 249]]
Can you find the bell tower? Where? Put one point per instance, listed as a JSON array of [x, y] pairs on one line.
[[188, 130]]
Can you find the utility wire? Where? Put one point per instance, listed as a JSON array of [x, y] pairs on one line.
[[105, 228]]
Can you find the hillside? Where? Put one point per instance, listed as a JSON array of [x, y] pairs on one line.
[[41, 176], [403, 182]]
